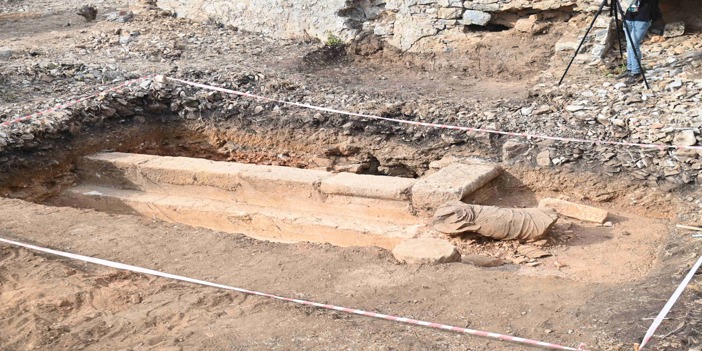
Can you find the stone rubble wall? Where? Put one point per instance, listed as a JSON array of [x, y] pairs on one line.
[[402, 23], [285, 19]]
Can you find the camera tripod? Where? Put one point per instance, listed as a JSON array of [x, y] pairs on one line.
[[615, 10]]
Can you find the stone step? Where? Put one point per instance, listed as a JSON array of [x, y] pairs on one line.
[[312, 191], [254, 221]]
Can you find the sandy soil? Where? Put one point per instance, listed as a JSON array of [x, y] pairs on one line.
[[51, 303]]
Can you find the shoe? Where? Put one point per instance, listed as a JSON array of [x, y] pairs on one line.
[[626, 74], [634, 78]]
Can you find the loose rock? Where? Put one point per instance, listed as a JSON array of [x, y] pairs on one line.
[[573, 210], [426, 251]]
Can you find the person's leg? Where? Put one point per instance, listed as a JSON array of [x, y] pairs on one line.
[[639, 33], [629, 33]]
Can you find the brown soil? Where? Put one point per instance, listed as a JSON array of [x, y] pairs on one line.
[[51, 303]]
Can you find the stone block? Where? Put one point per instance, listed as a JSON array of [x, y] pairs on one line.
[[390, 188], [485, 7], [451, 183], [426, 250], [473, 17], [451, 3], [573, 210], [275, 182], [114, 168], [674, 29], [450, 13], [525, 24], [565, 45]]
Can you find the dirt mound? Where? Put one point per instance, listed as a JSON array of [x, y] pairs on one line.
[[326, 55]]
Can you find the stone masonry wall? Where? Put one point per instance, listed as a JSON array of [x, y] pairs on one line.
[[287, 19], [402, 23]]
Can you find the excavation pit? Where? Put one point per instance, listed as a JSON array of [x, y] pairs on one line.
[[328, 187], [274, 203]]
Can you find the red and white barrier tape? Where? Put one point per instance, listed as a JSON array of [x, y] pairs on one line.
[[669, 305], [71, 103], [410, 321], [435, 125]]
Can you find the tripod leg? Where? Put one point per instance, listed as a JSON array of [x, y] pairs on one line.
[[616, 23], [628, 35], [599, 11]]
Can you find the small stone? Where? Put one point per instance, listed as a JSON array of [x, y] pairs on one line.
[[512, 149], [426, 250], [532, 252], [482, 261], [676, 84], [574, 108], [258, 109], [519, 260], [89, 12], [685, 138], [543, 158], [5, 53], [120, 17], [125, 40]]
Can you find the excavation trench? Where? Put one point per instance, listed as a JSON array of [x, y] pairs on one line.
[[244, 184], [212, 180], [326, 186]]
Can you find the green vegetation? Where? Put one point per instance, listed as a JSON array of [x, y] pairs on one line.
[[333, 40]]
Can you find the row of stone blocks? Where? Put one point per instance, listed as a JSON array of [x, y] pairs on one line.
[[270, 202]]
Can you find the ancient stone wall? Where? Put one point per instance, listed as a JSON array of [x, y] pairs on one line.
[[288, 19], [402, 23]]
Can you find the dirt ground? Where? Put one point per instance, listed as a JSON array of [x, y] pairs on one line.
[[51, 303], [602, 286]]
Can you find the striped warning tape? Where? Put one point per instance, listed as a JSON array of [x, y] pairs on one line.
[[73, 102], [436, 125], [669, 305], [410, 321]]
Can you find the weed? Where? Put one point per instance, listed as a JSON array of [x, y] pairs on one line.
[[333, 40]]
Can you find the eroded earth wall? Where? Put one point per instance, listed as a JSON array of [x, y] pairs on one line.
[[409, 25]]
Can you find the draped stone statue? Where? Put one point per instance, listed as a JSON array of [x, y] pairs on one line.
[[456, 218]]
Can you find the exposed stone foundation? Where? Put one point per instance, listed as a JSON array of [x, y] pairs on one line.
[[404, 24]]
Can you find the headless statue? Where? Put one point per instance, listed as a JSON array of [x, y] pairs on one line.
[[456, 218]]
